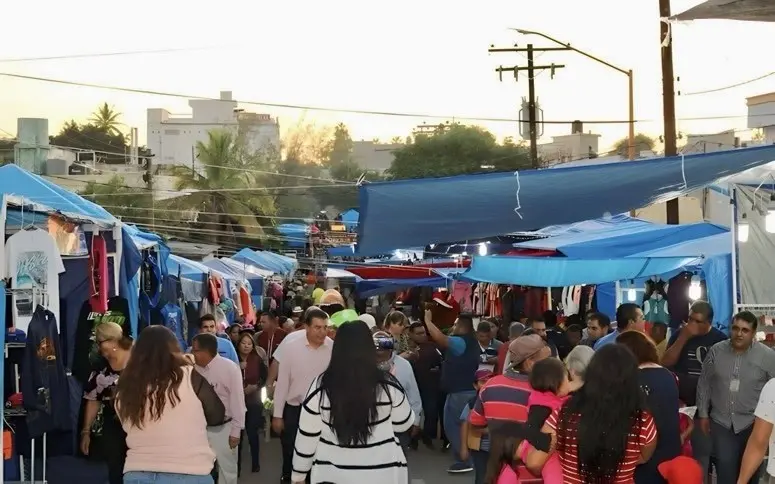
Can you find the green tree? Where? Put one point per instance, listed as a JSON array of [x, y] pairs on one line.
[[106, 119], [115, 193], [238, 216], [456, 150], [341, 146], [643, 142]]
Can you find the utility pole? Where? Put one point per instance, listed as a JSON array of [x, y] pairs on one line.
[[148, 179], [531, 69], [668, 100]]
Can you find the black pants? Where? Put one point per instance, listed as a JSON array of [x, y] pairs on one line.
[[442, 399], [113, 443], [254, 422], [480, 459], [728, 449], [430, 410], [291, 414]]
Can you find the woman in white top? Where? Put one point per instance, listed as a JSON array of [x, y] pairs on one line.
[[162, 415], [350, 418]]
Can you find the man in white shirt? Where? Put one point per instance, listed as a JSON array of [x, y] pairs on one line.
[[298, 361], [761, 437], [226, 379]]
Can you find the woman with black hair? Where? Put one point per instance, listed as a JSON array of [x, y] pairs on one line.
[[350, 418], [604, 430]]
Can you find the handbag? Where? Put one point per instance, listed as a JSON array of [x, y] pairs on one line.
[[215, 411]]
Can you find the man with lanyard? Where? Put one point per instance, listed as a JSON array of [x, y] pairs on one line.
[[226, 379], [733, 375], [401, 369], [458, 374]]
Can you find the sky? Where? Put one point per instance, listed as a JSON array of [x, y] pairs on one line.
[[428, 57]]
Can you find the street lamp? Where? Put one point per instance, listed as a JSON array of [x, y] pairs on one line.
[[626, 72]]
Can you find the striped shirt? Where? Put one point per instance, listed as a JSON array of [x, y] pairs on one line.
[[502, 399], [380, 460], [639, 437]]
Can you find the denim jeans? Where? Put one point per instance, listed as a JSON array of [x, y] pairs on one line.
[[453, 407], [728, 448], [135, 477]]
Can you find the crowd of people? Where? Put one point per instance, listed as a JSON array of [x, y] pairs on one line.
[[593, 402]]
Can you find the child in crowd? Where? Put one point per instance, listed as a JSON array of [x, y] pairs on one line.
[[686, 425], [551, 386], [507, 449], [475, 441]]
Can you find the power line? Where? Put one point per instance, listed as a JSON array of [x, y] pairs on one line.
[[105, 54], [289, 106], [361, 111], [731, 86]]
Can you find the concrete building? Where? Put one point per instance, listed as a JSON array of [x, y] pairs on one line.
[[172, 138], [761, 115], [708, 143], [374, 156], [570, 147]]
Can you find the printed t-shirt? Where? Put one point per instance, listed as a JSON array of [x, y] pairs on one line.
[[689, 364], [637, 439], [33, 260]]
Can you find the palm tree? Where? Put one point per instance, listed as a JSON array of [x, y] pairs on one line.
[[226, 166], [106, 119]]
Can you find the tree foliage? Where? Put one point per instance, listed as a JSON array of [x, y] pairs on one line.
[[115, 193], [228, 214], [100, 134], [106, 119], [456, 150], [643, 142]]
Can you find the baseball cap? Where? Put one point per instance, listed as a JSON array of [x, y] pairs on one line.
[[483, 374], [524, 347], [369, 320]]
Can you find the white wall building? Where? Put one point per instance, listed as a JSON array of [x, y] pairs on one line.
[[570, 147], [172, 138], [761, 114]]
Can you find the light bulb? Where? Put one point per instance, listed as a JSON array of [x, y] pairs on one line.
[[769, 222], [482, 249], [631, 295], [743, 230], [695, 292], [464, 253]]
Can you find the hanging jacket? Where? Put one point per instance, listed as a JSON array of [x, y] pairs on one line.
[[98, 271], [655, 309], [151, 281], [43, 382], [173, 316]]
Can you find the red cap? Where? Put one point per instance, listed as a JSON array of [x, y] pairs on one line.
[[681, 470]]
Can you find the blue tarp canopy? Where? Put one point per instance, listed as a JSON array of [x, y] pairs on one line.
[[189, 269], [629, 236], [350, 219], [374, 287], [248, 270], [294, 235], [21, 186], [483, 205], [276, 263]]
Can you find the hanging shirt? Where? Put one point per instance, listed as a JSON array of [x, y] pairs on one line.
[[98, 272], [461, 292], [86, 357], [33, 260], [655, 309], [43, 383], [172, 317]]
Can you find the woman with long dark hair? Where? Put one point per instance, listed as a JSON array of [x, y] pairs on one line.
[[253, 364], [604, 430], [350, 418], [661, 390], [162, 415]]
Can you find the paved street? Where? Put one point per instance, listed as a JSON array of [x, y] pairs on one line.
[[425, 467]]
